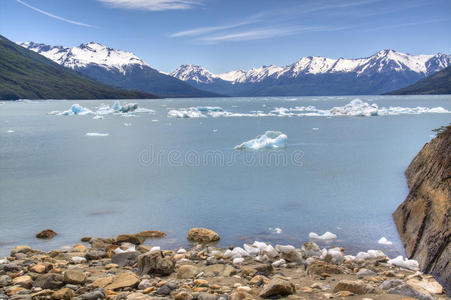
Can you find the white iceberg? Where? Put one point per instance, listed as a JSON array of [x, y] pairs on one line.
[[371, 254], [130, 249], [97, 134], [3, 260], [269, 140], [275, 230], [384, 241], [405, 263], [326, 236], [127, 109]]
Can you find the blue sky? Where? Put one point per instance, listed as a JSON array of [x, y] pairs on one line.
[[223, 35]]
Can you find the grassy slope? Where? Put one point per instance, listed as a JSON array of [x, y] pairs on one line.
[[438, 83], [28, 75]]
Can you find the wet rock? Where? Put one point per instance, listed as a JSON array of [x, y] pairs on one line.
[[64, 293], [75, 277], [130, 238], [125, 259], [202, 235], [95, 254], [318, 267], [151, 234], [50, 281], [20, 249], [155, 262], [188, 271], [356, 287], [278, 287], [46, 234], [138, 296], [80, 248]]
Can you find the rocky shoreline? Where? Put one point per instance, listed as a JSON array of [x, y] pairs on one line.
[[123, 268]]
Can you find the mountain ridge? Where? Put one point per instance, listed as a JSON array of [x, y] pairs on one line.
[[435, 84], [118, 68]]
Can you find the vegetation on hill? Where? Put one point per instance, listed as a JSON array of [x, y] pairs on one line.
[[437, 83]]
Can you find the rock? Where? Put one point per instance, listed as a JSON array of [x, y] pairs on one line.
[[320, 286], [74, 276], [151, 234], [39, 268], [318, 267], [364, 272], [80, 248], [5, 280], [78, 260], [278, 287], [311, 249], [138, 296], [155, 262], [202, 235], [97, 243], [163, 290], [390, 283], [427, 284], [23, 281], [95, 254], [86, 239], [20, 249], [356, 287], [423, 219], [183, 296], [50, 281], [343, 294], [240, 295], [407, 290], [229, 271], [94, 295], [188, 271], [125, 259], [206, 296], [130, 238], [64, 293], [259, 280], [145, 284], [46, 234], [119, 281]]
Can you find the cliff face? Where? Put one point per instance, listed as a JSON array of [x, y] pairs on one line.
[[423, 219]]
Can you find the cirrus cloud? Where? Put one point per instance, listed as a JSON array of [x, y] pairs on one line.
[[153, 5]]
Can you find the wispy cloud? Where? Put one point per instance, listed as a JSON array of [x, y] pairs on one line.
[[400, 25], [209, 29], [153, 5], [55, 16]]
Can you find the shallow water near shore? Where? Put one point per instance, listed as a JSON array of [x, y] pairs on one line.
[[122, 174]]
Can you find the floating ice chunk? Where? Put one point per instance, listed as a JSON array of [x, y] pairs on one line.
[[10, 131], [154, 120], [209, 108], [77, 109], [215, 130], [315, 128], [275, 230], [405, 263], [384, 241], [116, 105], [356, 108], [127, 124], [96, 134], [269, 140], [326, 236], [238, 260], [127, 109], [349, 257], [185, 113], [98, 117]]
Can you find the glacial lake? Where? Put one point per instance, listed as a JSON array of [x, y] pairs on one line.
[[83, 175]]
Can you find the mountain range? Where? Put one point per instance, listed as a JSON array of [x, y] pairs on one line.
[[117, 68], [437, 83], [382, 72], [25, 74]]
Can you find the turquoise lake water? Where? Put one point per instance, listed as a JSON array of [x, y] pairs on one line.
[[343, 174]]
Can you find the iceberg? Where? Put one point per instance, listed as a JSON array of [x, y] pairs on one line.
[[326, 236], [96, 134], [127, 109], [384, 241], [269, 140], [276, 230]]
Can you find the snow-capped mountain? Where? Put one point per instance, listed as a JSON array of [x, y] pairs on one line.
[[384, 71], [117, 68]]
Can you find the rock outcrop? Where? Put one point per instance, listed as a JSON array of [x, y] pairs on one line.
[[423, 219]]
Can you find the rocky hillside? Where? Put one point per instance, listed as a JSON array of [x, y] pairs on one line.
[[437, 83], [423, 219]]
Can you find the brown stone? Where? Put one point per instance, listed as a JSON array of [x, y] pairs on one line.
[[202, 235], [151, 234], [23, 281], [423, 219], [187, 271], [74, 276], [39, 268], [318, 267], [240, 295], [46, 234], [80, 248], [183, 296], [356, 287], [64, 293], [130, 238], [115, 282], [278, 287], [155, 262]]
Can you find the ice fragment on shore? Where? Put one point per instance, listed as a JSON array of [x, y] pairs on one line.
[[269, 140], [3, 260], [326, 236], [78, 260], [252, 250], [371, 254], [130, 249], [96, 134], [405, 263], [384, 241], [155, 248], [181, 251], [238, 260], [279, 263]]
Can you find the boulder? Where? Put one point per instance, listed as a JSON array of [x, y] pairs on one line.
[[95, 254], [278, 287], [20, 249], [39, 268], [318, 267], [202, 235], [356, 287], [155, 262], [125, 259], [64, 293], [424, 218], [406, 290], [23, 281], [130, 238], [123, 280], [187, 272], [429, 285], [46, 234], [74, 276]]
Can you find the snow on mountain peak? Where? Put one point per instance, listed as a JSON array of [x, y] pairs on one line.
[[195, 73]]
